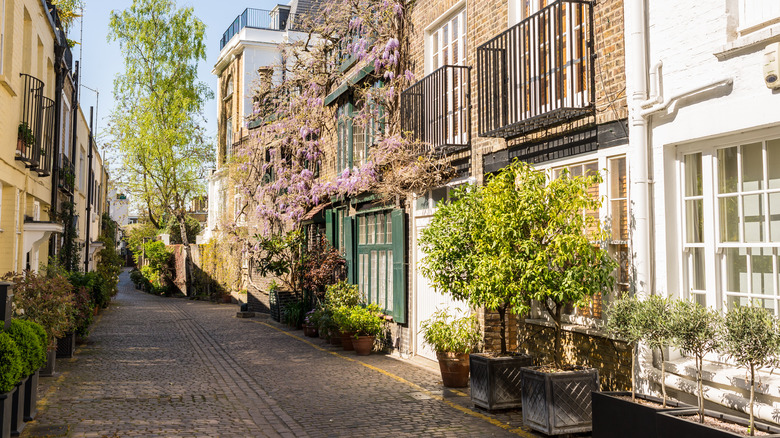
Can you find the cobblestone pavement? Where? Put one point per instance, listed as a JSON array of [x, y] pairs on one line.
[[164, 367]]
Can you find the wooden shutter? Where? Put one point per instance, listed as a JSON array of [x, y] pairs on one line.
[[349, 249], [399, 266], [330, 229]]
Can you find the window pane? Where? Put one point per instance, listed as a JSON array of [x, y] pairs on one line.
[[700, 299], [774, 217], [389, 279], [698, 277], [727, 170], [620, 220], [371, 229], [754, 218], [362, 230], [617, 176], [373, 298], [752, 167], [763, 282], [693, 175], [422, 202], [438, 195], [380, 229], [729, 219], [773, 163], [389, 226], [694, 221], [365, 267], [382, 279], [736, 270]]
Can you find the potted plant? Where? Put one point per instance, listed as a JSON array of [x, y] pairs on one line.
[[338, 296], [10, 372], [31, 389], [453, 339], [618, 414], [341, 317], [366, 323], [311, 321], [30, 351], [474, 252], [750, 337], [25, 138]]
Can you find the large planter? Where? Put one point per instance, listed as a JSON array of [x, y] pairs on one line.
[[66, 345], [495, 381], [310, 330], [17, 409], [346, 341], [559, 403], [454, 369], [616, 417], [51, 359], [6, 406], [335, 339], [6, 297], [363, 344], [671, 424], [31, 397]]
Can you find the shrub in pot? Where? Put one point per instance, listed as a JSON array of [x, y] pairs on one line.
[[31, 389], [344, 326], [453, 339], [10, 373], [30, 350], [311, 322], [618, 414], [366, 322], [338, 296]]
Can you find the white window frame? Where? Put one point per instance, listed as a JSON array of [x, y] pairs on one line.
[[228, 138], [755, 15], [66, 137]]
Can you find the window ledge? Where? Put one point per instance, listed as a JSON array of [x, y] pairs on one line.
[[574, 328], [748, 42], [7, 85], [725, 375]]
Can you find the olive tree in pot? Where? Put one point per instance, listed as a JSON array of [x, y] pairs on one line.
[[618, 414], [10, 372], [452, 339], [564, 266], [749, 335], [475, 252]]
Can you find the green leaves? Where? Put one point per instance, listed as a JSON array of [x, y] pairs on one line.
[[751, 336], [696, 328], [444, 333], [622, 319]]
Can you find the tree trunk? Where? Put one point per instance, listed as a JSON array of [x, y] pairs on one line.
[[188, 267], [663, 377], [502, 319], [633, 372], [558, 353], [752, 427], [699, 365]]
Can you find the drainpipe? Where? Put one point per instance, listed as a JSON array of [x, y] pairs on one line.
[[59, 80], [87, 239]]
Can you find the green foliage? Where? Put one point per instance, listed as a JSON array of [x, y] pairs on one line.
[[327, 324], [10, 363], [696, 332], [157, 268], [46, 300], [98, 289], [445, 333], [43, 340], [751, 338], [138, 234], [360, 320], [109, 264], [342, 294], [321, 265], [518, 238], [654, 323], [293, 313], [25, 134], [280, 255], [29, 345], [68, 11], [174, 229], [622, 321], [70, 254]]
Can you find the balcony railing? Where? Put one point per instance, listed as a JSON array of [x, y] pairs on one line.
[[67, 175], [538, 73], [28, 149], [256, 19], [437, 109], [47, 139]]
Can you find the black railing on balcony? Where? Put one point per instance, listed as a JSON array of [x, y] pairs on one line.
[[538, 73], [256, 19], [437, 109], [47, 138], [28, 146], [67, 175]]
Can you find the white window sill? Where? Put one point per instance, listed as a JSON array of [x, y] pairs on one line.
[[745, 42], [725, 375]]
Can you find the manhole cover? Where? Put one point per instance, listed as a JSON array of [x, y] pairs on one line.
[[41, 431]]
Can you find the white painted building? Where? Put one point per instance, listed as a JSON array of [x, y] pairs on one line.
[[705, 130]]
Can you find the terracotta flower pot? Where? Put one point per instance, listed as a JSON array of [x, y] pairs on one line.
[[454, 369], [363, 345], [346, 340]]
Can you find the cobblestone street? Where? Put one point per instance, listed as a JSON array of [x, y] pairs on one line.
[[164, 367]]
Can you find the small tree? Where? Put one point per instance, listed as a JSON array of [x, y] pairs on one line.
[[751, 338], [696, 332], [656, 329], [622, 316]]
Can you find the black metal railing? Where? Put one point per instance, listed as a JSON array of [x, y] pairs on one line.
[[28, 147], [67, 174], [47, 137], [256, 19], [538, 73], [437, 109]]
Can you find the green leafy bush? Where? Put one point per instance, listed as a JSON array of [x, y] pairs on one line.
[[10, 363], [445, 333], [292, 314], [327, 325], [40, 333], [29, 345], [46, 300], [342, 294], [84, 311], [623, 323], [157, 268], [360, 320]]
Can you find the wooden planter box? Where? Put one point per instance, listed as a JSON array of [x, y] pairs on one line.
[[6, 406], [51, 360], [670, 424], [614, 417], [559, 403], [495, 381], [31, 397], [17, 408], [66, 346]]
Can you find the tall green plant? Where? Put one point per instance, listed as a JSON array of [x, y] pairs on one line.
[[446, 333], [751, 338], [46, 300], [622, 322], [10, 363], [656, 329], [696, 332]]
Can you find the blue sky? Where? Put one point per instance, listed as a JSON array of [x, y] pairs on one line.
[[101, 61]]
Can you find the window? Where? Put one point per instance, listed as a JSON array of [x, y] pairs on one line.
[[733, 258], [228, 138], [375, 259], [82, 178], [447, 42], [355, 136], [66, 128], [757, 14]]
